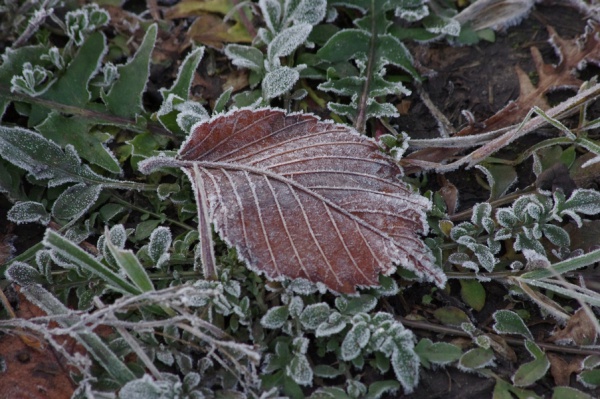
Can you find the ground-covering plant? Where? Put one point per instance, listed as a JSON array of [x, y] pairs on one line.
[[199, 250]]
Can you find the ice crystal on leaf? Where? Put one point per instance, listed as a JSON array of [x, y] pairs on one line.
[[301, 198]]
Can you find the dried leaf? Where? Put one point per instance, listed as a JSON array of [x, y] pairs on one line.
[[33, 369], [300, 198], [561, 370], [573, 55], [579, 330]]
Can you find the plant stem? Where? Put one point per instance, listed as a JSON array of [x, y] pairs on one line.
[[427, 326], [361, 118]]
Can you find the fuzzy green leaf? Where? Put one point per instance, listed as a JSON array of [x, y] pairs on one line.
[[509, 322], [476, 358], [473, 293], [529, 373], [125, 96]]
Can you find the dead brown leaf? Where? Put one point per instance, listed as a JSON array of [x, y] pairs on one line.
[[561, 370], [579, 330], [32, 371], [573, 54], [210, 30]]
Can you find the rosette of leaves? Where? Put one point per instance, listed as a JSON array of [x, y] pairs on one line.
[[288, 24], [373, 49]]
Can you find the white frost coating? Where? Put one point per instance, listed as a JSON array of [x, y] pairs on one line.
[[158, 247], [28, 212], [271, 11], [118, 236], [245, 56], [305, 11], [412, 14], [356, 339], [287, 41], [300, 370], [279, 81], [75, 201], [449, 27]]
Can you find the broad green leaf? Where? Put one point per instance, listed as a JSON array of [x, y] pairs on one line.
[[440, 353], [504, 390], [509, 322], [44, 159], [279, 81], [529, 373], [379, 388], [590, 378], [473, 293], [28, 212], [314, 314], [75, 201], [125, 96], [476, 358], [23, 274], [185, 75], [78, 256], [300, 371], [569, 393], [356, 339], [72, 87], [180, 89], [500, 178], [450, 315], [406, 367], [275, 317], [76, 131]]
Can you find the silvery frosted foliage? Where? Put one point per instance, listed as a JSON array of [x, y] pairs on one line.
[[287, 26], [159, 245], [82, 21], [33, 81], [170, 387], [357, 334]]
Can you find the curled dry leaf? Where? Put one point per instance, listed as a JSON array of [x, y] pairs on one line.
[[302, 198]]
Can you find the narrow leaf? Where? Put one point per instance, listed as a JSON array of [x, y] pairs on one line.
[[130, 264], [73, 253]]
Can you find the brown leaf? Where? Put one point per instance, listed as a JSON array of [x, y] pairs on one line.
[[561, 370], [300, 198], [579, 330], [32, 371]]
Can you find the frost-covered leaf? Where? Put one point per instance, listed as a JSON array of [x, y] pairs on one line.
[[299, 370], [379, 388], [529, 373], [158, 247], [440, 353], [287, 41], [275, 317], [272, 12], [23, 274], [75, 201], [125, 96], [508, 322], [356, 339], [44, 159], [245, 57], [476, 358], [279, 81], [305, 11], [324, 203], [333, 325], [28, 212], [556, 235], [314, 314], [405, 363]]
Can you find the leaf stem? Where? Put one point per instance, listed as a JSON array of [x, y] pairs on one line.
[[361, 118]]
